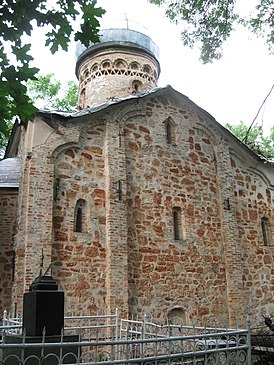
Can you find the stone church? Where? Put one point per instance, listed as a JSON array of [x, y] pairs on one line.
[[140, 200]]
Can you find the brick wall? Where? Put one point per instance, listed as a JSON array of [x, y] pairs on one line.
[[165, 273], [254, 197], [79, 258], [131, 169], [113, 73], [8, 208]]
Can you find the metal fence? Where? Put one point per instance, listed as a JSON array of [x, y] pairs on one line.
[[112, 340]]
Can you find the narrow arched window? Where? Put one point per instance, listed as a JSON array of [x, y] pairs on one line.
[[80, 216], [78, 220], [177, 223], [136, 86], [266, 231], [170, 128], [168, 133]]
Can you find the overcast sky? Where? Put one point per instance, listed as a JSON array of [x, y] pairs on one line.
[[231, 89]]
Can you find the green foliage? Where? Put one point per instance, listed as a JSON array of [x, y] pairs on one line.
[[254, 138], [45, 92], [210, 22], [18, 18], [4, 138], [49, 93], [263, 23]]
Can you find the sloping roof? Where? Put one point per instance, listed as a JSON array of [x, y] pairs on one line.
[[10, 169], [155, 91], [151, 92], [99, 107]]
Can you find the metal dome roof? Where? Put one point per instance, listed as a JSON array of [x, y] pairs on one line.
[[10, 169], [119, 37]]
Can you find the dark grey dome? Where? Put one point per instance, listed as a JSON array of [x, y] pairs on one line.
[[118, 37]]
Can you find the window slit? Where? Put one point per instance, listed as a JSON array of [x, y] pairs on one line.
[[80, 216], [177, 223], [168, 133], [78, 222], [266, 231]]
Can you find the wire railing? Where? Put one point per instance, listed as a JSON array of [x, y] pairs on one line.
[[113, 340]]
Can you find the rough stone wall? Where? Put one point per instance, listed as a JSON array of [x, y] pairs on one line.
[[255, 200], [116, 219], [63, 166], [132, 168], [165, 273], [79, 258], [219, 268], [35, 204], [91, 265], [34, 236], [8, 213]]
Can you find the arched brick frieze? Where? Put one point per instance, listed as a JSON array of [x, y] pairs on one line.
[[134, 66], [61, 148], [134, 109], [90, 128], [263, 176], [118, 66], [210, 139], [125, 115]]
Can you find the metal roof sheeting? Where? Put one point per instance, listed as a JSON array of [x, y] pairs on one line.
[[99, 107], [10, 169], [118, 38]]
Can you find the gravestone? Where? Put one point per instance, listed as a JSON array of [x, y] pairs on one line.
[[43, 321], [43, 308]]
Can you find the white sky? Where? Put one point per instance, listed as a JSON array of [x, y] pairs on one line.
[[231, 89]]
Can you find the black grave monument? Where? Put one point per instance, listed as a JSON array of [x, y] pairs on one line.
[[43, 322], [43, 308]]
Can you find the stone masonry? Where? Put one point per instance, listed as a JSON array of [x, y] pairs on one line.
[[8, 208], [146, 204]]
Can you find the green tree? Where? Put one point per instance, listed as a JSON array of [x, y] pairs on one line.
[[18, 20], [254, 138], [4, 138], [49, 93], [210, 22]]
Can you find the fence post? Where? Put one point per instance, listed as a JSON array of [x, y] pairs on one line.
[[248, 340], [144, 326], [5, 318], [116, 324], [143, 344], [23, 348]]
